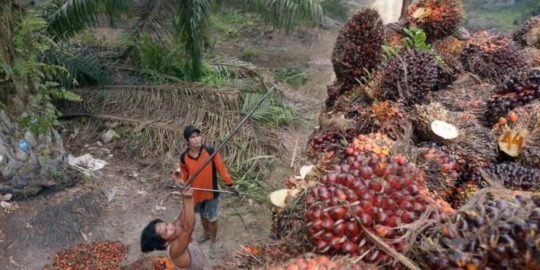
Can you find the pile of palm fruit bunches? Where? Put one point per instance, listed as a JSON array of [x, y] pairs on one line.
[[428, 151]]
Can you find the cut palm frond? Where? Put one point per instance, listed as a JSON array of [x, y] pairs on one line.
[[156, 115], [70, 17]]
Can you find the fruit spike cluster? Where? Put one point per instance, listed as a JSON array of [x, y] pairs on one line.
[[449, 45], [321, 263], [492, 56], [518, 90], [376, 143], [440, 18], [521, 35], [358, 47], [325, 141], [442, 167], [512, 176], [463, 193], [497, 233], [411, 76], [381, 193], [449, 71]]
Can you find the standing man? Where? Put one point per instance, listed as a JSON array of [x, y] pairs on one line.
[[206, 202]]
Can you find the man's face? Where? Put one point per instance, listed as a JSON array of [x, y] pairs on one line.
[[165, 230], [195, 140]]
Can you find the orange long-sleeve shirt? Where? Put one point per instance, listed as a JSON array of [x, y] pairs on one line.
[[207, 179]]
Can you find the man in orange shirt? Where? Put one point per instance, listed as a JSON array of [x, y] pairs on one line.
[[206, 202]]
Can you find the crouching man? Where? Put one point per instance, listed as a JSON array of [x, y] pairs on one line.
[[160, 235]]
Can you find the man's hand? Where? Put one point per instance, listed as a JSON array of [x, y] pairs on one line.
[[188, 192], [234, 189], [177, 177]]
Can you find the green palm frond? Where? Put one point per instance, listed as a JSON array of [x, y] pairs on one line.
[[85, 69], [190, 23], [272, 111], [68, 17], [285, 14]]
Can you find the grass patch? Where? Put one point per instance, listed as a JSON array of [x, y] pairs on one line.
[[335, 9], [249, 54], [482, 17], [226, 24]]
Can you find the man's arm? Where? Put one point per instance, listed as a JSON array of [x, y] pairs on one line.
[[184, 170], [186, 221], [220, 167]]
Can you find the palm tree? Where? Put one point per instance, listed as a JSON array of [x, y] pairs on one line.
[[68, 17]]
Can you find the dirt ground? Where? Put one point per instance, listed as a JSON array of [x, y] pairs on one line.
[[124, 197]]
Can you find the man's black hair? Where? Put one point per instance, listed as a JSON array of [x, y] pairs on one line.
[[150, 239], [188, 130]]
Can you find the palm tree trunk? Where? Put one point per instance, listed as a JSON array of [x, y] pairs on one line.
[[26, 159]]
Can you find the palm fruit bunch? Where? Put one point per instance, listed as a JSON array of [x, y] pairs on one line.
[[519, 134], [389, 118], [322, 263], [520, 89], [461, 130], [438, 18], [373, 88], [333, 91], [533, 54], [376, 143], [510, 175], [411, 76], [443, 167], [497, 229], [468, 97], [449, 45], [379, 193], [463, 193], [529, 33], [325, 141], [493, 56], [288, 222], [448, 71], [386, 117], [394, 39], [358, 47]]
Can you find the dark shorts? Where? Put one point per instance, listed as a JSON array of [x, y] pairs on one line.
[[208, 209]]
